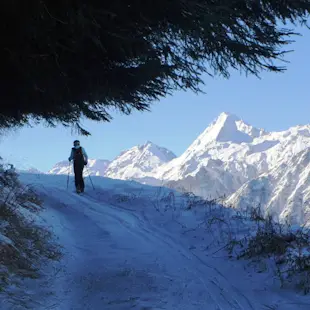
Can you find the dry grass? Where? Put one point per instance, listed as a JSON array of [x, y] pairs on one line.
[[249, 234], [26, 245], [287, 249]]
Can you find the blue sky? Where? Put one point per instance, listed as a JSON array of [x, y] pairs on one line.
[[274, 102]]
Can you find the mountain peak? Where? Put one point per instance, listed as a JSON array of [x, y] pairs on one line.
[[139, 160], [161, 152], [228, 127], [148, 144], [227, 115]]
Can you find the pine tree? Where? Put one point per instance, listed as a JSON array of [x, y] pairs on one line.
[[64, 60]]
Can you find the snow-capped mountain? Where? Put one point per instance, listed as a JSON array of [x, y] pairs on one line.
[[213, 165], [94, 167], [284, 192], [31, 170], [139, 163], [229, 153], [230, 157], [62, 167]]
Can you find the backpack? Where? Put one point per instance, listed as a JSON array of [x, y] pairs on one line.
[[78, 156]]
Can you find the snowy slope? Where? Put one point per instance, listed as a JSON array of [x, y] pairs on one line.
[[225, 156], [61, 168], [214, 163], [29, 170], [94, 167], [283, 192], [229, 153], [130, 256], [138, 162]]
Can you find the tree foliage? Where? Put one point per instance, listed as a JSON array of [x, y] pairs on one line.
[[66, 59]]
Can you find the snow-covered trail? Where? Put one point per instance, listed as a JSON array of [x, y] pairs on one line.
[[115, 261], [123, 259]]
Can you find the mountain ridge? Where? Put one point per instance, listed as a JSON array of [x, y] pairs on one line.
[[223, 159]]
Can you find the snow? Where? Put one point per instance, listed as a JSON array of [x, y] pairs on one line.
[[230, 153], [225, 157], [135, 163], [94, 167], [262, 147], [29, 170], [284, 192], [226, 139], [225, 129], [5, 240], [223, 140], [97, 166], [131, 246], [63, 167], [139, 162]]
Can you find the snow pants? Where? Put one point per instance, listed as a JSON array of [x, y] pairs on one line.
[[78, 174]]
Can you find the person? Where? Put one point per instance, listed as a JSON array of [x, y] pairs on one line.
[[80, 158]]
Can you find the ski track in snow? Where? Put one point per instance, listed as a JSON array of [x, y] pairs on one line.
[[117, 259]]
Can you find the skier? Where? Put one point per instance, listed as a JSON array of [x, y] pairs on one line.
[[80, 158]]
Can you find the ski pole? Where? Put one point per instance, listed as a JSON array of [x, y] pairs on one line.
[[68, 175], [90, 179]]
